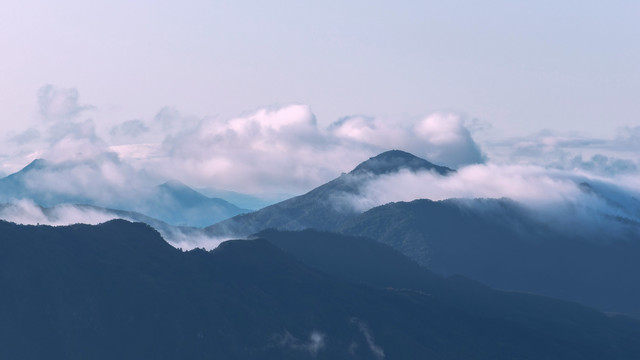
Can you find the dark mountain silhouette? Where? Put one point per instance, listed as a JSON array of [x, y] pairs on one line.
[[502, 244], [172, 202], [79, 213], [117, 290], [324, 206], [380, 266], [498, 242]]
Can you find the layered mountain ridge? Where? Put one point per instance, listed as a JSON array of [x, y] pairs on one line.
[[324, 207], [172, 202], [77, 291]]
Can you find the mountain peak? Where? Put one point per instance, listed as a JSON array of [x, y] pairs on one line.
[[175, 185], [395, 160], [35, 165]]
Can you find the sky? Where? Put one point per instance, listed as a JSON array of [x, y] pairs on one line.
[[279, 97]]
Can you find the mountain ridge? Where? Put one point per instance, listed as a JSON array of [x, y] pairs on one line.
[[323, 207], [172, 202]]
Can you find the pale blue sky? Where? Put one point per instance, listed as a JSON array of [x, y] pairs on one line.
[[520, 65]]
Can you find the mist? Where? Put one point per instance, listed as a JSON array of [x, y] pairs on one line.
[[283, 150], [26, 212], [575, 202]]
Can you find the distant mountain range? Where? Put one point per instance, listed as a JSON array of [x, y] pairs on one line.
[[499, 242], [172, 202], [117, 290]]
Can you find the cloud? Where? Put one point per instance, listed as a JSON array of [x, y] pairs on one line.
[[282, 149], [575, 202], [28, 213], [270, 150], [98, 179], [376, 350], [441, 138], [26, 136], [603, 165], [608, 157], [128, 130], [58, 103], [191, 239], [313, 345], [521, 183]]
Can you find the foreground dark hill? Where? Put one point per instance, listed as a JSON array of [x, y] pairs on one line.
[[359, 260], [117, 290], [323, 207], [172, 202], [502, 244]]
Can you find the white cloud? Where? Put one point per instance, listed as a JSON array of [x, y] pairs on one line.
[[28, 213], [189, 240], [59, 104], [282, 149], [440, 138], [313, 345], [128, 130], [608, 157], [270, 150], [376, 350], [576, 202]]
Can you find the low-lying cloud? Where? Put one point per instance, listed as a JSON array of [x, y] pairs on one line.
[[599, 156], [376, 350], [312, 345], [26, 212], [576, 202], [284, 150]]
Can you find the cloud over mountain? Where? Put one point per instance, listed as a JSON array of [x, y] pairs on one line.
[[56, 103], [442, 138], [272, 149], [284, 150]]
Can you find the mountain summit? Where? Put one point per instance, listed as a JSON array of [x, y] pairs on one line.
[[395, 160], [324, 207]]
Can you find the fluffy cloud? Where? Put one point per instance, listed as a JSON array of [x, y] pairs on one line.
[[282, 149], [607, 157], [270, 150], [59, 104], [571, 201], [441, 138], [603, 165], [128, 130], [28, 213]]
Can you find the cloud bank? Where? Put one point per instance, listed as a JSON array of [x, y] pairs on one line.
[[574, 202], [270, 150], [283, 149], [26, 212]]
